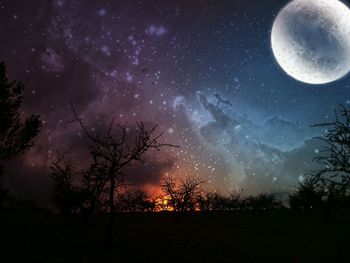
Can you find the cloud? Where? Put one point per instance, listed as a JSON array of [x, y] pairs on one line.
[[271, 157], [149, 173]]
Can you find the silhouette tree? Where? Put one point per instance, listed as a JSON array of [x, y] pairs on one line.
[[68, 197], [111, 154], [135, 200], [16, 133], [262, 202], [333, 178], [306, 197], [184, 196], [205, 201], [220, 202], [236, 202]]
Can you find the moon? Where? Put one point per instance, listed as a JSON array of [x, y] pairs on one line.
[[311, 40]]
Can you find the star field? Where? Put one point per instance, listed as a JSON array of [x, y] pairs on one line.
[[161, 62]]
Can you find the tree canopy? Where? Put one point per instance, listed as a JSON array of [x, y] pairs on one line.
[[16, 134]]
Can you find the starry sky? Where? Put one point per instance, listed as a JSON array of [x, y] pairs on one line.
[[165, 63]]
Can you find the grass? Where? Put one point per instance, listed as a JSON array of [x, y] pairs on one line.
[[280, 236]]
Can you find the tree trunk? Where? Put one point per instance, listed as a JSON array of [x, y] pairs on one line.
[[111, 217]]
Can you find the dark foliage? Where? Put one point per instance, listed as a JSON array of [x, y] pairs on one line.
[[16, 133], [306, 197], [262, 202], [16, 136]]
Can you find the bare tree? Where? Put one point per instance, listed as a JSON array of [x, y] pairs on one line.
[[218, 202], [235, 202], [135, 200], [262, 202], [112, 153], [206, 201], [68, 197], [184, 196], [333, 178], [306, 197]]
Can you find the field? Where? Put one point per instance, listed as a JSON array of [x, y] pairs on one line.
[[280, 236]]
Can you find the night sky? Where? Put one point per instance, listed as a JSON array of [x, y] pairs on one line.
[[166, 63]]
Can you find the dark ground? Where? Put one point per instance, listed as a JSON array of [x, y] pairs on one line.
[[275, 237]]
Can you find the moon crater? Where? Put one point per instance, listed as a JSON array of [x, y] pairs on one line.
[[311, 40]]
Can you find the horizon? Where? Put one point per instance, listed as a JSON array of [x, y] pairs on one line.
[[204, 72]]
